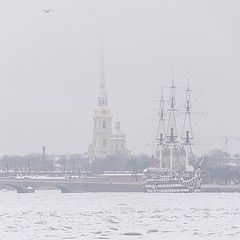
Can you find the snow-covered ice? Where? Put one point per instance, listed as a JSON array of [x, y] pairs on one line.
[[54, 215]]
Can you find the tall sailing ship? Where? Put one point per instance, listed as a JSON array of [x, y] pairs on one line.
[[173, 172]]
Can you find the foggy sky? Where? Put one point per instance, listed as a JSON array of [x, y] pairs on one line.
[[50, 69]]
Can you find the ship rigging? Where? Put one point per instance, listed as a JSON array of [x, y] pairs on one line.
[[173, 172]]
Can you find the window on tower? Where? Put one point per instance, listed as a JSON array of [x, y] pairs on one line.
[[104, 143], [104, 125]]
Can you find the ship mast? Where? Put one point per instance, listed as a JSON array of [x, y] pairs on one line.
[[161, 130], [172, 126], [187, 133]]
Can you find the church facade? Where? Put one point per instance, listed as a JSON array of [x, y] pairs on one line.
[[107, 137]]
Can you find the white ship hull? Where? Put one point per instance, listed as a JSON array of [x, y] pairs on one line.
[[166, 181]]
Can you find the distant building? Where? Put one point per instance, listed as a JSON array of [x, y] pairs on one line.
[[106, 138]]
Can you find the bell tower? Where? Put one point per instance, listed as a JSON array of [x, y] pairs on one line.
[[102, 119]]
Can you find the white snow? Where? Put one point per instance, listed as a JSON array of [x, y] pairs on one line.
[[54, 215]]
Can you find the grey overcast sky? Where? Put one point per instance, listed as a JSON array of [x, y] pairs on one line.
[[49, 68]]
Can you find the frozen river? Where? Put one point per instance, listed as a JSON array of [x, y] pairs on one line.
[[53, 215]]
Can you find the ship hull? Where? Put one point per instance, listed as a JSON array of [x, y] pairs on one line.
[[166, 181]]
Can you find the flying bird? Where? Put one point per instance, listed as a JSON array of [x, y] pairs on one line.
[[47, 10]]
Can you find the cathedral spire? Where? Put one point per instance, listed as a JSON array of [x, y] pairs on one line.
[[104, 142], [102, 78], [102, 95]]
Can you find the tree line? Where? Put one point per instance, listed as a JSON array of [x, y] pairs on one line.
[[218, 168]]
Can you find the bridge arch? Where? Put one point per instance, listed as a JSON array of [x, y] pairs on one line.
[[62, 188], [21, 186], [51, 186], [19, 189]]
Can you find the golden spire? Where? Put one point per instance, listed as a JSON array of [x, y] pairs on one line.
[[102, 95], [102, 80]]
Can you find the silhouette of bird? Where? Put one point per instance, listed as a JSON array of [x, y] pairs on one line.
[[47, 10]]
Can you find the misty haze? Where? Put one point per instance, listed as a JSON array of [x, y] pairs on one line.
[[119, 119]]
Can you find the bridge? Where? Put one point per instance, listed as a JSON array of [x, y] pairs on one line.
[[68, 186], [216, 188], [79, 186]]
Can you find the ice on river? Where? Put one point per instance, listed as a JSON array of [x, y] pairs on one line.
[[53, 215]]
